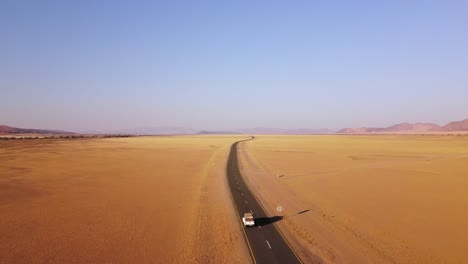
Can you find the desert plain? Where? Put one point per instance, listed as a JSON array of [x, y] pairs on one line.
[[345, 198], [118, 200], [365, 199]]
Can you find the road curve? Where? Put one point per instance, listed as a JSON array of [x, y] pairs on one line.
[[265, 242]]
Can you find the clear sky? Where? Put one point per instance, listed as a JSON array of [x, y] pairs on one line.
[[104, 65]]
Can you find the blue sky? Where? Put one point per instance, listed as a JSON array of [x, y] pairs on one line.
[[105, 65]]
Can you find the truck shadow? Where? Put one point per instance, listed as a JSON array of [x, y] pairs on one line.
[[261, 221]]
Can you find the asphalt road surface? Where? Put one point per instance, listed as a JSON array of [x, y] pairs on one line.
[[265, 242]]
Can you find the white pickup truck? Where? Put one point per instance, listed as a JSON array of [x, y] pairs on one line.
[[248, 219]]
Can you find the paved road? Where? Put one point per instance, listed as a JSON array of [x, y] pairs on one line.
[[265, 242]]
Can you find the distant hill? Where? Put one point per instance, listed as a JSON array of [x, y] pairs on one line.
[[207, 132], [456, 126], [409, 128], [285, 131], [360, 130], [154, 131], [413, 127], [189, 131], [7, 130]]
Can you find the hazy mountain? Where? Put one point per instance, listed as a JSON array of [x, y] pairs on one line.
[[413, 127], [403, 127], [360, 130], [155, 131], [208, 132], [456, 126], [410, 128], [15, 130], [285, 131], [190, 131]]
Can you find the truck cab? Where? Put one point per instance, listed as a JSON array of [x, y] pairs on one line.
[[248, 219]]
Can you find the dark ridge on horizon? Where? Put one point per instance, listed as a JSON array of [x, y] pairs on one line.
[[8, 130]]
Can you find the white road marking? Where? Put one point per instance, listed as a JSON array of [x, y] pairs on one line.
[[251, 211], [245, 201], [268, 244], [259, 227], [242, 194]]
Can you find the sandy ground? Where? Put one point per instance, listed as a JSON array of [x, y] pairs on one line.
[[371, 199], [125, 200]]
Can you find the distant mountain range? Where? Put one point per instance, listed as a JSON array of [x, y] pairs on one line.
[[208, 132], [457, 126], [409, 128], [398, 128], [285, 131], [190, 131], [6, 130], [155, 131]]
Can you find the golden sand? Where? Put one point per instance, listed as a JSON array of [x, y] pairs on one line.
[[384, 199], [126, 200]]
